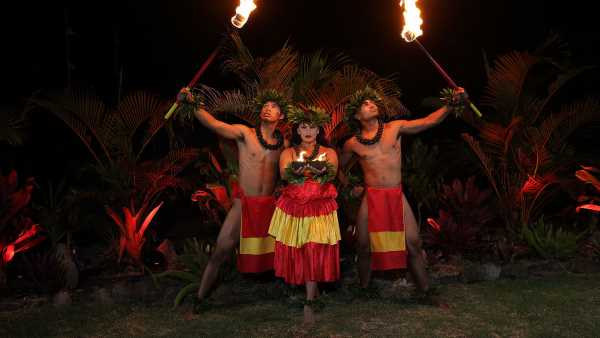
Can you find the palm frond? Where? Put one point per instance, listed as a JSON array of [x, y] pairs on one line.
[[314, 71], [177, 160], [561, 80], [278, 71], [497, 138], [233, 102], [352, 78], [238, 59], [136, 108], [506, 82], [555, 50], [572, 116], [484, 160], [83, 113]]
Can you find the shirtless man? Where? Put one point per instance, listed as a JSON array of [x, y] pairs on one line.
[[247, 222], [386, 224]]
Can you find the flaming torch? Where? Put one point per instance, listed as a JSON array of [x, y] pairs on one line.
[[242, 13], [410, 33]]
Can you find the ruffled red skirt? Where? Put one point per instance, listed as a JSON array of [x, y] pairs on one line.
[[307, 233]]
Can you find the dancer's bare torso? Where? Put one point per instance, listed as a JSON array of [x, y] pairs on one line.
[[259, 167], [380, 162]]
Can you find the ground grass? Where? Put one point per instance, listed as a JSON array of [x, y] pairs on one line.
[[560, 306]]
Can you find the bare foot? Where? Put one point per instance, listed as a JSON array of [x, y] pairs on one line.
[[190, 315], [309, 316]]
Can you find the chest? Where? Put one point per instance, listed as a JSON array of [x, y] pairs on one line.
[[387, 146], [253, 151]]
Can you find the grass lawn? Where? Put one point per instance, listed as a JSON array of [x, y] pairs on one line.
[[560, 306]]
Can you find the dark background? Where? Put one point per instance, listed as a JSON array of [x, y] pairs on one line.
[[161, 44]]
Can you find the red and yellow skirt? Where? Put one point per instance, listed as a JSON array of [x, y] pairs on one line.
[[256, 246], [386, 228], [307, 233]]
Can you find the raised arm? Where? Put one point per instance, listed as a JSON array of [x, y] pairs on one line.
[[416, 126], [229, 131], [407, 127]]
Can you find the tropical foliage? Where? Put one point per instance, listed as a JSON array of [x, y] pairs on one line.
[[465, 212], [548, 241], [18, 233], [586, 175], [117, 139], [522, 143]]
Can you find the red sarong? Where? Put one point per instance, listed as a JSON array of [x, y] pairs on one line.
[[256, 246], [386, 228]]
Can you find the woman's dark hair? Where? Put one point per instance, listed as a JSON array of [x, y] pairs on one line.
[[296, 139]]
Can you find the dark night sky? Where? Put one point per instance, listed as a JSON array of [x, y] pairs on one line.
[[162, 43]]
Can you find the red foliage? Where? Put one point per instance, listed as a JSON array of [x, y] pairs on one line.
[[586, 175], [464, 213], [17, 232], [132, 228]]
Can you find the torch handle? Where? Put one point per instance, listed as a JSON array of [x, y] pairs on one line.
[[195, 79], [445, 75], [204, 66]]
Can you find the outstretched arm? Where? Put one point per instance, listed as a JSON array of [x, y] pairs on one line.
[[416, 126], [229, 131]]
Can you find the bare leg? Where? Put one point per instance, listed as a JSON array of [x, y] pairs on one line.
[[228, 239], [311, 294], [364, 245], [416, 262]]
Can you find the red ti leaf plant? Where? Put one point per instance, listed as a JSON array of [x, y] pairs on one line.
[[586, 175], [18, 233], [132, 228], [464, 213]]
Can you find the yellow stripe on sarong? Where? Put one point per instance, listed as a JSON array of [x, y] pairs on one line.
[[386, 241], [297, 231], [257, 245]]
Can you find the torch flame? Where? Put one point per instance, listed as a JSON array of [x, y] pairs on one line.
[[412, 20], [242, 13], [322, 157], [301, 156]]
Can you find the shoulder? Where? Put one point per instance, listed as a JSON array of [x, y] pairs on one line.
[[394, 124], [350, 143], [329, 150], [287, 152], [244, 128]]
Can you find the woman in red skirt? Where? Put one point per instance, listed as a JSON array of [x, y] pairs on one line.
[[305, 223]]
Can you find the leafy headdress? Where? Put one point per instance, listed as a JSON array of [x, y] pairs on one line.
[[356, 101], [308, 114]]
